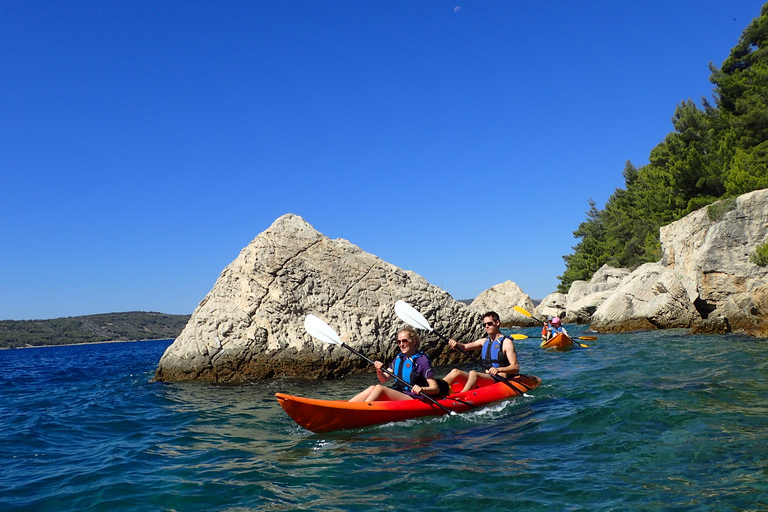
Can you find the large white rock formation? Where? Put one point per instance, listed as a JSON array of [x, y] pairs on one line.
[[709, 250], [652, 297], [251, 324]]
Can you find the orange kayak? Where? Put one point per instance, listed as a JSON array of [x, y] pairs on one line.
[[559, 341], [330, 415]]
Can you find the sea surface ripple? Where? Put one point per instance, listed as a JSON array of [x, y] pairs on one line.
[[641, 421]]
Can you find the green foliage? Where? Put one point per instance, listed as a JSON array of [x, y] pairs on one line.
[[749, 170], [714, 153], [760, 256], [90, 329], [716, 211]]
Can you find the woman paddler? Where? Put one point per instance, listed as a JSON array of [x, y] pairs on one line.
[[555, 328], [411, 366]]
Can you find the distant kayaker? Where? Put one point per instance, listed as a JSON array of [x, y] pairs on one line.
[[554, 328], [498, 353], [545, 328], [411, 366]]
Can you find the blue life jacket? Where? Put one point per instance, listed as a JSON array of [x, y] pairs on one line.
[[557, 330], [492, 353], [403, 367]]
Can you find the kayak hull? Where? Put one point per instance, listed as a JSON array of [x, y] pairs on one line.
[[559, 341], [321, 416]]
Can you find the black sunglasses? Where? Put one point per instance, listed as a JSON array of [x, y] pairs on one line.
[[488, 324]]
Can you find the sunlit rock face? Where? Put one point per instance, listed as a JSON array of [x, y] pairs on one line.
[[251, 324], [649, 298], [584, 297], [709, 250], [502, 298]]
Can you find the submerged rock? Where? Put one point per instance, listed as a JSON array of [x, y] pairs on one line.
[[250, 326]]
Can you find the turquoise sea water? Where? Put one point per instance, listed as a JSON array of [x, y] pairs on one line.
[[641, 421]]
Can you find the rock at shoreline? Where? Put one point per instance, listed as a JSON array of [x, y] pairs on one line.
[[710, 252], [502, 298], [705, 281], [585, 297], [652, 297], [250, 326], [553, 305]]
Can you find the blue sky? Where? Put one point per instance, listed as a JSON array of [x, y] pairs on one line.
[[144, 144]]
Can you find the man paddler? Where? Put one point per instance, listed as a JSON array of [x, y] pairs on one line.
[[497, 352]]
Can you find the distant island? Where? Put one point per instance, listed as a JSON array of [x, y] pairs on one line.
[[130, 326]]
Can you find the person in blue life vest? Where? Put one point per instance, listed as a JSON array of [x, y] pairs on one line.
[[555, 327], [409, 365], [498, 353]]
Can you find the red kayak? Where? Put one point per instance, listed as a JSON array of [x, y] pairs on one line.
[[330, 415], [559, 341]]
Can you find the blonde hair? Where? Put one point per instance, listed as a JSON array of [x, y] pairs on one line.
[[412, 335]]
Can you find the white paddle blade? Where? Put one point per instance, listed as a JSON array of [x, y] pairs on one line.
[[321, 330], [409, 315]]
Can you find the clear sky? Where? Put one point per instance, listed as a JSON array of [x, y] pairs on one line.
[[143, 144]]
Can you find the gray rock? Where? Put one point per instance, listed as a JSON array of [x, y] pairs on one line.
[[652, 297], [553, 305], [711, 255], [584, 297], [250, 326], [502, 298]]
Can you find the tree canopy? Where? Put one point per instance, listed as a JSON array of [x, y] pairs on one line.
[[715, 152]]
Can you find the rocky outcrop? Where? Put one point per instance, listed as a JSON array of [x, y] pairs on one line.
[[553, 305], [502, 298], [652, 297], [709, 250], [251, 324], [584, 297]]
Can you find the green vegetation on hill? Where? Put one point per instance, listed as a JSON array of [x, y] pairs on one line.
[[716, 152], [137, 325]]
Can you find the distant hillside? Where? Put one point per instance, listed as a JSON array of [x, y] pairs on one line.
[[469, 301], [134, 325]]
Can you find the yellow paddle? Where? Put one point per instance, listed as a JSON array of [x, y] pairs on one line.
[[525, 312]]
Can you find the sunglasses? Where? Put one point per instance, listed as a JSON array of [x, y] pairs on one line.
[[403, 341], [488, 324]]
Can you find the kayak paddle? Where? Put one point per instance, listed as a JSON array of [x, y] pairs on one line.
[[409, 315], [524, 337], [325, 333], [525, 312]]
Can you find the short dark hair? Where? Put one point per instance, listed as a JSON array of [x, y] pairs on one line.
[[493, 315]]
